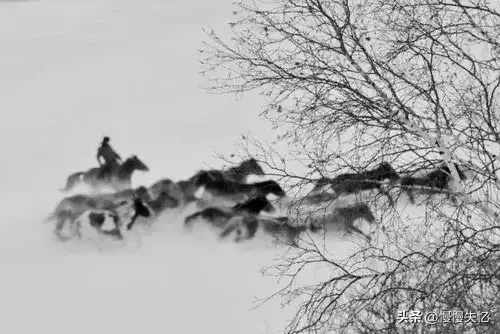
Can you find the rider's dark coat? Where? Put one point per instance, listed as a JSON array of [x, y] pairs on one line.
[[111, 159], [109, 155]]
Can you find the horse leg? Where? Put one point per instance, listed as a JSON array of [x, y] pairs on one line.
[[350, 228], [250, 225], [229, 230], [291, 236], [409, 193], [132, 221], [429, 196], [239, 235], [276, 238], [386, 194], [78, 229], [231, 225]]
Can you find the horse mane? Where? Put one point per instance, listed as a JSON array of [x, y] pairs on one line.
[[129, 159], [251, 161], [162, 201], [251, 201], [202, 177], [266, 183], [253, 205]]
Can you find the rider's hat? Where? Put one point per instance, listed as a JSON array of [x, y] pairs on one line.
[[105, 139]]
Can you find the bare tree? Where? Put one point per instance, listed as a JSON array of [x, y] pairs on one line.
[[352, 83]]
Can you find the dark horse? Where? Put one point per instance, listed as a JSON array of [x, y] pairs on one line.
[[238, 191], [218, 217], [437, 179], [347, 215], [121, 178], [351, 183], [283, 227], [277, 227], [236, 174]]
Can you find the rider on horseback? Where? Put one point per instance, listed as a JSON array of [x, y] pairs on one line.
[[111, 159]]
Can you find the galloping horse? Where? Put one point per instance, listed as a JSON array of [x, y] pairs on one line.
[[246, 227], [120, 180], [236, 174], [351, 183], [347, 215], [237, 192]]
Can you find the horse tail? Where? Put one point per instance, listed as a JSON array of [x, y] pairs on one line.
[[51, 217], [61, 222], [72, 181], [57, 213]]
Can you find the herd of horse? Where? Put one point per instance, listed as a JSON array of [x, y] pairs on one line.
[[246, 209]]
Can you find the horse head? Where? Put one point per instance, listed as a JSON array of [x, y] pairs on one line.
[[204, 177], [270, 187], [142, 192], [156, 188], [135, 163], [386, 171], [105, 222], [261, 203], [140, 208], [321, 183], [165, 200], [252, 167]]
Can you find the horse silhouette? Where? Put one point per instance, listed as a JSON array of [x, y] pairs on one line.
[[246, 227], [347, 216], [218, 216], [236, 174], [147, 209], [120, 179], [238, 192], [350, 183]]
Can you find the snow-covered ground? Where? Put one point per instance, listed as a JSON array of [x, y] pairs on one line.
[[70, 73]]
